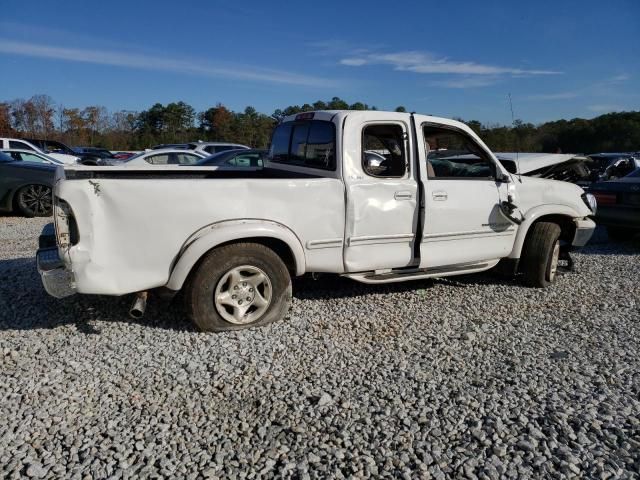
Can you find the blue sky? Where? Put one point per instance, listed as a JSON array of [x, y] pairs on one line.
[[558, 59]]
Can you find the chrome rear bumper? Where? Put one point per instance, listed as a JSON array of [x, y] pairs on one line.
[[56, 279]]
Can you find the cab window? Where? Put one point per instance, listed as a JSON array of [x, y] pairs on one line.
[[384, 151], [304, 143], [454, 155]]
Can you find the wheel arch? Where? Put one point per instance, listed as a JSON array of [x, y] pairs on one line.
[[561, 215], [273, 235]]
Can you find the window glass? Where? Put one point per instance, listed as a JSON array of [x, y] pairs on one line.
[[247, 160], [320, 145], [19, 145], [187, 159], [210, 149], [452, 154], [306, 143], [279, 151], [299, 143], [160, 159], [30, 157], [56, 147], [384, 152], [223, 148]]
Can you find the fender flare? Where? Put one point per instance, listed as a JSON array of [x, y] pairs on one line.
[[534, 215], [218, 233]]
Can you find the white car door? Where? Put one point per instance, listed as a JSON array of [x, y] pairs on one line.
[[463, 222], [381, 191]]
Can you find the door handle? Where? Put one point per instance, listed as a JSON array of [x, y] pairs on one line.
[[439, 196], [403, 195]]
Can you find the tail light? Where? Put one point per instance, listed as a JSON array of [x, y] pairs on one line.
[[606, 198], [67, 233]]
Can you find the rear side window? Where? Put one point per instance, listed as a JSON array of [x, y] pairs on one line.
[[19, 145], [307, 143]]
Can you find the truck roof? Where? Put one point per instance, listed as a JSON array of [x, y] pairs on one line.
[[328, 115]]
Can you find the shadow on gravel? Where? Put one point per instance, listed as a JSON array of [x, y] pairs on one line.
[[24, 305], [601, 244], [333, 286]]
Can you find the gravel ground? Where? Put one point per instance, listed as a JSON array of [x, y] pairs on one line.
[[472, 377]]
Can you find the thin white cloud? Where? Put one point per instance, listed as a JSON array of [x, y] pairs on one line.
[[427, 63], [605, 108], [147, 62], [620, 78], [552, 96], [466, 82]]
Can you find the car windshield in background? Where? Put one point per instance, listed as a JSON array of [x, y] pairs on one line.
[[304, 143]]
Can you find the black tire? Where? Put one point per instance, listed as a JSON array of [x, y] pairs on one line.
[[620, 234], [213, 278], [34, 201], [540, 247]]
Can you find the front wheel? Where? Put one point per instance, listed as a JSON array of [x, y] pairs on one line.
[[34, 201], [541, 254], [238, 286]]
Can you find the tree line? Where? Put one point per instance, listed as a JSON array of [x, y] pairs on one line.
[[177, 122]]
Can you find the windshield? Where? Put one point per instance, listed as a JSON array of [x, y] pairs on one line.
[[217, 158], [137, 155], [635, 173]]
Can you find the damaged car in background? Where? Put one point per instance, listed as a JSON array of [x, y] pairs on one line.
[[554, 166]]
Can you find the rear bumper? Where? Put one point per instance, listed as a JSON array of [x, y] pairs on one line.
[[584, 231], [56, 279]]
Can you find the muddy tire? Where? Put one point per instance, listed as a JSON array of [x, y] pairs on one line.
[[34, 201], [541, 254], [238, 286]]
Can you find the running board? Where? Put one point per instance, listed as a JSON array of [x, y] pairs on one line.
[[418, 274]]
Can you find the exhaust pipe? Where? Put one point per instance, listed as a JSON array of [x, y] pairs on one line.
[[139, 305]]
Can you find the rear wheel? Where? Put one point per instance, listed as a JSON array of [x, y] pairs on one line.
[[34, 201], [541, 254], [238, 286]]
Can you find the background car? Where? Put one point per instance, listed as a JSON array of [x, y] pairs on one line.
[[159, 157], [124, 155], [31, 156], [23, 144], [91, 155], [604, 166], [235, 158], [26, 186], [208, 148], [619, 205]]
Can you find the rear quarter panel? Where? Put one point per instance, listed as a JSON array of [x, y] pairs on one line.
[[132, 230]]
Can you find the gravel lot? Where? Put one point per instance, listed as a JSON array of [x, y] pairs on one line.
[[472, 377]]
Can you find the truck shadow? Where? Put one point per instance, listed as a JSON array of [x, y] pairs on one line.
[[24, 305]]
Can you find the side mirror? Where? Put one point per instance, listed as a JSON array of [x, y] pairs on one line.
[[510, 166]]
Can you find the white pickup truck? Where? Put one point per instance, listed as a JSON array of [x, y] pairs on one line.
[[374, 196]]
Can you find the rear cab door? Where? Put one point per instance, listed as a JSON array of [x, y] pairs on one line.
[[381, 187]]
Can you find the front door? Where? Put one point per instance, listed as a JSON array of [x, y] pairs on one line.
[[463, 223], [382, 191]]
